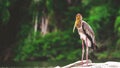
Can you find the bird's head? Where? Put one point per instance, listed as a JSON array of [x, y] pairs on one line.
[[78, 20], [78, 17]]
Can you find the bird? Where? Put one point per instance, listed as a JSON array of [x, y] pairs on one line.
[[86, 35]]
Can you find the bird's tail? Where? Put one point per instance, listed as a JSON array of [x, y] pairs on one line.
[[94, 46]]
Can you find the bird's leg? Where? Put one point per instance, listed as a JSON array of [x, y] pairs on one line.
[[82, 50], [87, 55], [86, 51]]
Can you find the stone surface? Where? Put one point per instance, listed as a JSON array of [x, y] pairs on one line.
[[79, 64]]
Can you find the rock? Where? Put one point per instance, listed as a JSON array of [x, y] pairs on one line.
[[79, 64], [57, 67]]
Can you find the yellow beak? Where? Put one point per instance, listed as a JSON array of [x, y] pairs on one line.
[[74, 27]]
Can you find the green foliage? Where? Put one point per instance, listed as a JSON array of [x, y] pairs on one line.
[[103, 55], [49, 5], [107, 55], [4, 13], [60, 43], [117, 25], [98, 14], [25, 48], [115, 54], [55, 46], [117, 29]]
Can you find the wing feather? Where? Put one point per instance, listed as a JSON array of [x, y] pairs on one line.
[[89, 32], [88, 29]]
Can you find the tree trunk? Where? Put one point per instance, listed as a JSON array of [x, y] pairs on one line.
[[44, 25], [36, 24]]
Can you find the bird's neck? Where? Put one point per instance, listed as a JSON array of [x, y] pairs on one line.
[[78, 23]]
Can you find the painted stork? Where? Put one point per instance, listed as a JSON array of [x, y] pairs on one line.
[[86, 35]]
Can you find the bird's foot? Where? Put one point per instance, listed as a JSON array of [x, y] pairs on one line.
[[81, 63], [88, 63], [85, 63]]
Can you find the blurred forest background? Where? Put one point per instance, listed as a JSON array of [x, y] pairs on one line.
[[41, 30]]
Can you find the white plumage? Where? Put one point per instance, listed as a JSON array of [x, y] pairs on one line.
[[88, 30], [86, 34]]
